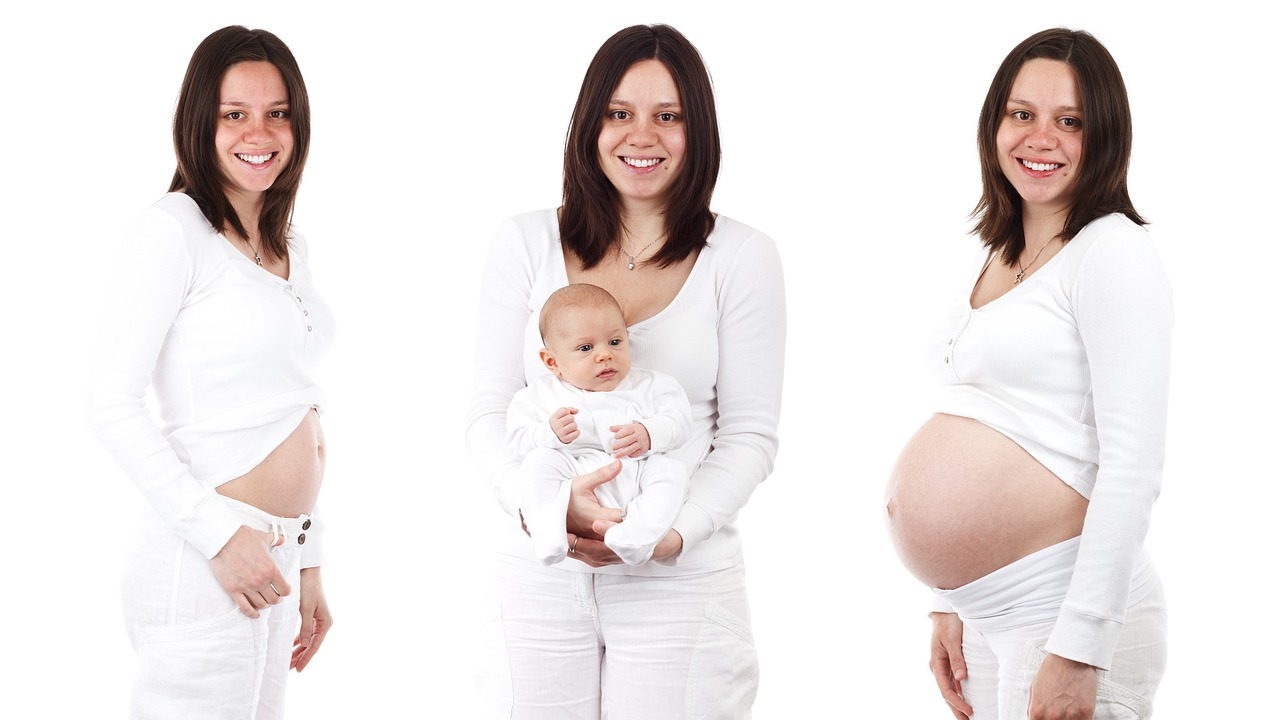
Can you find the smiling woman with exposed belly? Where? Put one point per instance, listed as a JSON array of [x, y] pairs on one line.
[[213, 308], [1025, 500]]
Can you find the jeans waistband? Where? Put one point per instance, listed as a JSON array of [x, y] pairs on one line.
[[1030, 590], [293, 530]]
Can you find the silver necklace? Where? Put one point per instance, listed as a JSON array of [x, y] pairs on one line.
[[256, 257], [1021, 270], [631, 259]]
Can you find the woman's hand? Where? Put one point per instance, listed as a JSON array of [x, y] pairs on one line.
[[1063, 690], [244, 568], [585, 509], [946, 660], [316, 620], [596, 554]]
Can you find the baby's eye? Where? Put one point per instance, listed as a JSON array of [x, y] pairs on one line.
[[584, 348], [615, 342]]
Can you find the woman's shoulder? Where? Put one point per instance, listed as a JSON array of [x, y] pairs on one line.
[[1113, 248], [1109, 235], [534, 231], [731, 241], [174, 223]]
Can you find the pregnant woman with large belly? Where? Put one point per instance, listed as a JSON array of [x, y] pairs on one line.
[[1025, 500], [213, 307]]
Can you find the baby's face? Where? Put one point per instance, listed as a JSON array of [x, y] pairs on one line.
[[588, 348]]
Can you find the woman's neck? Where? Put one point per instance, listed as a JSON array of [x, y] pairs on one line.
[[248, 209], [1040, 227]]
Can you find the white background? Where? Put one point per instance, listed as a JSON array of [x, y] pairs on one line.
[[848, 137]]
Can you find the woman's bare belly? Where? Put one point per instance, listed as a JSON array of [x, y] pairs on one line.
[[287, 482], [964, 500]]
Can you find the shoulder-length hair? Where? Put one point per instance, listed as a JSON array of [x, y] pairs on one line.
[[591, 215], [1102, 185], [195, 126]]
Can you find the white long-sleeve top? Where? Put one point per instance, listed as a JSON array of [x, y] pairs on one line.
[[1073, 365], [230, 351], [722, 338]]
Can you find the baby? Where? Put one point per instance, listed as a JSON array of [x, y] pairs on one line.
[[592, 408]]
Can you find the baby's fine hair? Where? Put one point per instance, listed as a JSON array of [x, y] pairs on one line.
[[577, 294]]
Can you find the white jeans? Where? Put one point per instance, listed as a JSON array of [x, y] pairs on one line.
[[199, 657], [1003, 654], [565, 645]]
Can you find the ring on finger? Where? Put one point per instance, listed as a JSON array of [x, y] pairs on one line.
[[574, 548]]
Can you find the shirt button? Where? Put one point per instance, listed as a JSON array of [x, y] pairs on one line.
[[946, 360], [302, 538], [308, 328], [306, 312], [288, 287], [951, 341], [306, 524]]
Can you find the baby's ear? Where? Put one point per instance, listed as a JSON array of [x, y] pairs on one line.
[[549, 360]]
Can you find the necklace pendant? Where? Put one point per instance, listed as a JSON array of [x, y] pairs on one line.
[[631, 265], [1017, 278], [257, 259]]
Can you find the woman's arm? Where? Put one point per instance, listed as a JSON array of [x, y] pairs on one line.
[[752, 338], [147, 291], [1123, 309], [504, 312]]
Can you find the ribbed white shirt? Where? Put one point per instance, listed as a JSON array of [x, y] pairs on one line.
[[1073, 365], [230, 351]]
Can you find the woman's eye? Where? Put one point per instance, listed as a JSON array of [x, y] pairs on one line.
[[1070, 122], [668, 117], [234, 115], [278, 114], [1021, 115], [619, 114]]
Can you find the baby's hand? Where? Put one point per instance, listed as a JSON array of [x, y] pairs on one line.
[[563, 424], [630, 440]]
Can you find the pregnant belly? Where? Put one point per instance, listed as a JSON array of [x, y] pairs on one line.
[[287, 482], [964, 500]]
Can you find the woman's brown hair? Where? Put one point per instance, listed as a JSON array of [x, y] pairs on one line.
[[195, 122], [1102, 185], [591, 215]]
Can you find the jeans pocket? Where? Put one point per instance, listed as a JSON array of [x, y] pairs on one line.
[[1114, 702], [197, 670], [724, 674]]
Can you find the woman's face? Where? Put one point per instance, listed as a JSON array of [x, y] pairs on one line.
[[1041, 136], [642, 137], [255, 137]]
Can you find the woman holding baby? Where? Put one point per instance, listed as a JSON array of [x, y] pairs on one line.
[[702, 298]]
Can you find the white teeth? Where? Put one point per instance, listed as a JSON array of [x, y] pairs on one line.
[[635, 162], [254, 159], [1041, 167]]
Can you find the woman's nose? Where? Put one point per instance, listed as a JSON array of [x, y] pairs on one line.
[[1042, 136], [642, 134]]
